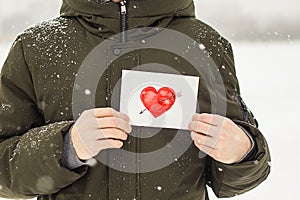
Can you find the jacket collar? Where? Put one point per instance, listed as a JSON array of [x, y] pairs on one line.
[[103, 18], [136, 8]]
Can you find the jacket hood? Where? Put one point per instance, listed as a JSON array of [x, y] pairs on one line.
[[103, 18]]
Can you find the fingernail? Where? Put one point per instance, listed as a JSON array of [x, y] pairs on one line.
[[128, 118], [130, 129]]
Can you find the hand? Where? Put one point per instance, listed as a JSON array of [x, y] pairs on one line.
[[98, 129], [219, 137]]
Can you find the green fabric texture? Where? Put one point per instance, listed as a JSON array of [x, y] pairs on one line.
[[136, 8], [103, 18], [36, 87]]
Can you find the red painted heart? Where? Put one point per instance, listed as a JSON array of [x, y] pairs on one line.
[[158, 102]]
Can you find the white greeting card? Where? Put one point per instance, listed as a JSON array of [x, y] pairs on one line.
[[158, 99]]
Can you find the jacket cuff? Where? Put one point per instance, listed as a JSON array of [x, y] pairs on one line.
[[252, 151], [70, 159]]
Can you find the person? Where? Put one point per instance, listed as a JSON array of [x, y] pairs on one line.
[[48, 153]]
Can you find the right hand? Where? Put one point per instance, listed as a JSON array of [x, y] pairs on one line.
[[98, 129]]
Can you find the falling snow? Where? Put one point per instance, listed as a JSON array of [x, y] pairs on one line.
[[91, 162], [202, 47], [159, 188], [258, 104], [87, 92]]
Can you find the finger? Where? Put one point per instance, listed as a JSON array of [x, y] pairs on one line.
[[121, 115], [211, 119], [114, 122], [203, 117], [111, 133], [109, 112], [208, 150], [109, 144], [204, 140], [204, 128], [199, 127]]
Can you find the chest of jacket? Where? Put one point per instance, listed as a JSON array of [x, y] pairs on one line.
[[126, 174]]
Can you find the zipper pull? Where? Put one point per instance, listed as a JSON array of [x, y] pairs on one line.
[[123, 21], [123, 7]]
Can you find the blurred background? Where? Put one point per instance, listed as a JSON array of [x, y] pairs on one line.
[[256, 20], [266, 39]]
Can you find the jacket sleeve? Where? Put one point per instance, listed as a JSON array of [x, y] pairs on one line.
[[30, 151], [231, 180]]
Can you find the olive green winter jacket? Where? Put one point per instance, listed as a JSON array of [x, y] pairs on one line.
[[38, 106]]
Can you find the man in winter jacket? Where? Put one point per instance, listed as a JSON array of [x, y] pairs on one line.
[[48, 152]]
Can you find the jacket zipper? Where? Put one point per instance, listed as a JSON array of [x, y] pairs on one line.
[[124, 39], [123, 18], [123, 21]]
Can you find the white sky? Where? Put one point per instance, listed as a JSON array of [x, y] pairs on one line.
[[259, 8]]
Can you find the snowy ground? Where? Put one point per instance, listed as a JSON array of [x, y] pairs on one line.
[[268, 74]]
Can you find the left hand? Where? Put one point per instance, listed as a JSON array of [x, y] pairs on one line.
[[219, 137]]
